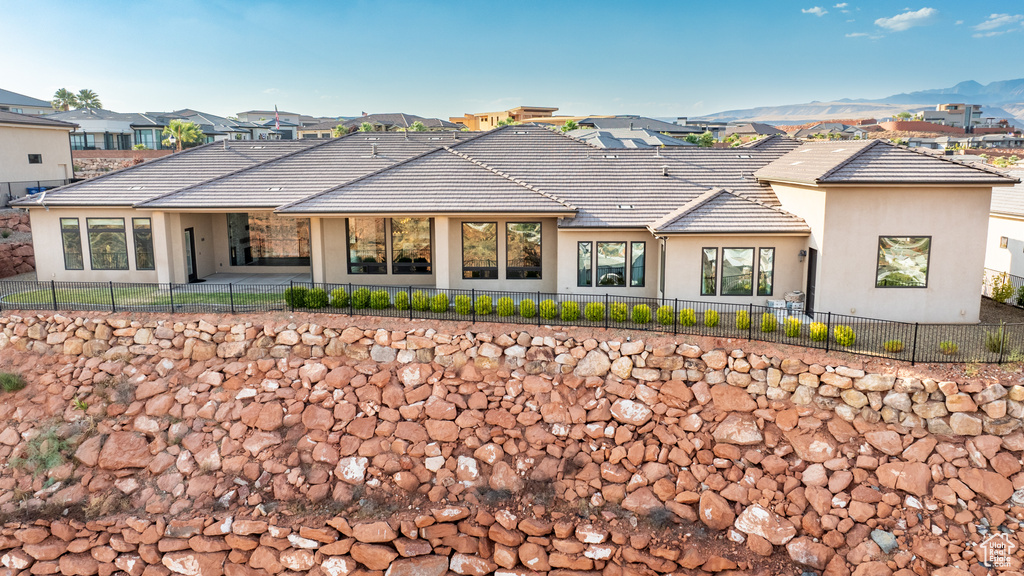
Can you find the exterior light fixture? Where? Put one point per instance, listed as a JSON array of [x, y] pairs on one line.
[[1002, 241], [802, 255]]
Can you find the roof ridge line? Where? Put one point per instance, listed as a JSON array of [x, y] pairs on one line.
[[983, 166], [511, 178], [874, 143], [697, 202]]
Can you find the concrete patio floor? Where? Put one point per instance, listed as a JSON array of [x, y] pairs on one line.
[[262, 279]]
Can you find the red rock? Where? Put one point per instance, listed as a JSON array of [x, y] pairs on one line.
[[732, 399], [78, 565], [885, 440], [373, 532], [265, 558], [271, 417], [913, 477], [49, 549], [738, 429], [714, 511], [297, 560], [419, 566], [756, 519], [471, 565], [642, 501], [124, 450], [872, 569], [759, 545], [534, 557], [317, 418], [631, 412], [805, 551], [442, 430], [716, 563], [989, 484], [189, 563], [504, 477], [32, 534], [373, 556], [935, 553]]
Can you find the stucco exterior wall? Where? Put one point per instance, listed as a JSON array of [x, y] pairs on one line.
[[1011, 258], [955, 217], [567, 256], [17, 142], [335, 264], [49, 250], [222, 253], [548, 252]]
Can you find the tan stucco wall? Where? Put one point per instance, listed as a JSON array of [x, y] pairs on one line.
[[567, 247], [202, 224], [807, 203], [334, 263], [1011, 258], [222, 253], [17, 142], [683, 266], [49, 251], [548, 252]]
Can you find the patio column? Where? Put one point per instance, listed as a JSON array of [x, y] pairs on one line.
[[161, 248], [442, 259], [316, 249]]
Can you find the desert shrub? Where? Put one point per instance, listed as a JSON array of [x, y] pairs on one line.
[[641, 314], [818, 332], [316, 298], [11, 382], [666, 315], [844, 335], [339, 298], [360, 298], [402, 300], [994, 341], [1020, 297], [792, 327], [483, 305], [463, 305], [421, 301], [594, 311], [948, 347], [769, 322], [1002, 289], [711, 318], [527, 308], [439, 303], [687, 317], [893, 346], [570, 311], [618, 311], [506, 306], [548, 309], [295, 296], [45, 451], [380, 299], [742, 320]]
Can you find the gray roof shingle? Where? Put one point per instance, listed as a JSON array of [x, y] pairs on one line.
[[722, 212], [1009, 201], [15, 99], [33, 119]]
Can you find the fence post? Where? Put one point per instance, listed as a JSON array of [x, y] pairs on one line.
[[607, 311], [675, 316], [472, 302], [828, 332], [913, 351], [1002, 340], [113, 306], [231, 296], [170, 290], [537, 310], [410, 303], [351, 305], [53, 292], [750, 320]]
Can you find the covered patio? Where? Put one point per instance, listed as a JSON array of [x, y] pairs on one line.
[[282, 279]]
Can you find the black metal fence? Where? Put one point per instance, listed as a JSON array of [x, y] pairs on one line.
[[1004, 287], [910, 342], [13, 190]]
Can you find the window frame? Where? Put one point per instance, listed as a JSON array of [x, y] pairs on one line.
[[590, 269], [410, 268], [928, 265], [64, 248], [714, 272], [368, 267], [524, 269], [625, 263], [753, 268], [124, 236], [497, 264], [136, 243], [643, 280], [771, 278], [35, 158]]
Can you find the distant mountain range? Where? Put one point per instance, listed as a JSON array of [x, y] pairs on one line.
[[1002, 99]]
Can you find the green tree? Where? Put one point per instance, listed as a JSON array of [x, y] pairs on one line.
[[417, 126], [705, 140], [339, 131], [366, 127], [88, 99], [904, 116], [510, 121], [183, 133], [569, 125], [64, 99]]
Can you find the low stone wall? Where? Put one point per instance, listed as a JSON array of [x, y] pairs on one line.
[[16, 258], [285, 445], [122, 154]]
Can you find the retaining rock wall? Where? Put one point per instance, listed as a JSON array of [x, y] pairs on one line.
[[288, 446]]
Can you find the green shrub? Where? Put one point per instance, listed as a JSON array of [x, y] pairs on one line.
[[769, 322], [594, 311], [818, 332], [1002, 289], [360, 298], [792, 327], [463, 305], [994, 341], [742, 320], [402, 300], [1020, 297], [11, 382], [548, 309], [687, 317], [506, 306], [570, 311], [618, 311], [421, 301], [316, 298], [893, 346], [439, 303], [711, 318], [844, 335], [527, 308], [380, 299], [641, 314], [339, 298], [948, 347], [483, 305], [295, 296], [666, 315], [45, 451]]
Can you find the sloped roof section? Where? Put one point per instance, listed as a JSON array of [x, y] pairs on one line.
[[1009, 201], [34, 120], [873, 162], [15, 99], [440, 181], [720, 211]]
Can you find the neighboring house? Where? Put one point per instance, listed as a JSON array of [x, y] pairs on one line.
[[323, 129], [986, 141], [34, 154], [397, 121], [21, 104], [489, 120], [639, 122], [272, 124], [100, 129], [749, 129], [864, 228], [108, 130], [625, 138], [1005, 248]]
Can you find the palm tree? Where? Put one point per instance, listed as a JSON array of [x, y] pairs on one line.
[[180, 133], [88, 99], [569, 125], [366, 127], [339, 131], [64, 99], [417, 126]]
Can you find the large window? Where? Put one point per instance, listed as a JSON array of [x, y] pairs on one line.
[[83, 142], [638, 264], [108, 246], [265, 239], [708, 272], [611, 263], [142, 231], [522, 250], [766, 272], [903, 261], [585, 264], [737, 271], [480, 250], [410, 245], [71, 238], [367, 253]]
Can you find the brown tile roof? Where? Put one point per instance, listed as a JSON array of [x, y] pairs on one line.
[[34, 120], [722, 212]]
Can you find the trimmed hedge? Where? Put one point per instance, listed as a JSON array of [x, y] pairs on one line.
[[594, 311], [527, 308], [666, 315], [548, 309], [570, 311], [506, 306], [316, 298], [295, 296], [339, 298]]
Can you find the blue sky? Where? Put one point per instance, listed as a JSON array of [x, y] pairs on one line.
[[433, 58]]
